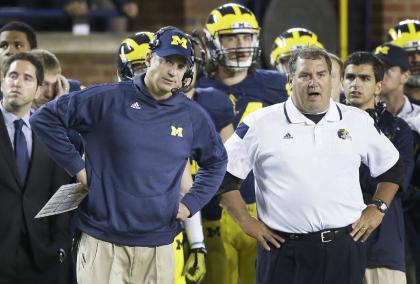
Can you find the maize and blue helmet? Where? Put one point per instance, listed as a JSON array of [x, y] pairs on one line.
[[132, 55], [407, 36], [289, 41], [231, 19]]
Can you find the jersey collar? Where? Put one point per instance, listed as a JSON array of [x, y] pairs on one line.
[[144, 93]]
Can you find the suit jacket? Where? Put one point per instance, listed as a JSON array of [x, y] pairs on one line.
[[18, 206]]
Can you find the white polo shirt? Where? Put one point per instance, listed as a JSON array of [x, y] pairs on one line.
[[411, 114], [307, 174]]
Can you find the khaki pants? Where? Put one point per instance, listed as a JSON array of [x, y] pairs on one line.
[[106, 263], [384, 276]]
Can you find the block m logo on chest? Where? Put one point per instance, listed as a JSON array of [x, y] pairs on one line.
[[176, 131]]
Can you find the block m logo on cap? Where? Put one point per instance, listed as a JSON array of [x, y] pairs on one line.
[[176, 40], [382, 49]]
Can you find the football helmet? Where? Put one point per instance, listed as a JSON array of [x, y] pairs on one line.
[[132, 55], [407, 35], [289, 41], [232, 20]]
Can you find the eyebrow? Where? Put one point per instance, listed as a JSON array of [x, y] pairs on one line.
[[358, 75], [24, 74]]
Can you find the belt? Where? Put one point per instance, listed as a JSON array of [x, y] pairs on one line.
[[324, 236]]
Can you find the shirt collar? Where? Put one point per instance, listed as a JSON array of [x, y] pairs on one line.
[[9, 117], [407, 107], [293, 115]]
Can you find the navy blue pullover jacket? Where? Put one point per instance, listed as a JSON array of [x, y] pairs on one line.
[[136, 149], [385, 246]]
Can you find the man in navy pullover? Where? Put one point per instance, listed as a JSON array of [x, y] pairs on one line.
[[138, 136]]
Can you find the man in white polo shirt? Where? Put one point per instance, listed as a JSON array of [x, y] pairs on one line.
[[305, 154]]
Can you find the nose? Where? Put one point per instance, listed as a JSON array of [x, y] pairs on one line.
[[314, 81], [10, 50], [16, 81], [172, 70], [239, 41], [354, 84]]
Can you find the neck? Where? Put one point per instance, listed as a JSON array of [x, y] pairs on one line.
[[370, 105], [20, 111], [306, 112], [36, 105], [190, 93], [394, 102], [230, 77]]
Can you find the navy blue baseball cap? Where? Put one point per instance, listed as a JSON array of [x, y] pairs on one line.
[[172, 41], [393, 55]]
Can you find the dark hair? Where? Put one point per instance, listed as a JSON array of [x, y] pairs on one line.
[[24, 28], [25, 56], [339, 62], [362, 57], [308, 52]]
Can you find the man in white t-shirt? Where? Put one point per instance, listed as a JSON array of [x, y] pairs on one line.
[[305, 154]]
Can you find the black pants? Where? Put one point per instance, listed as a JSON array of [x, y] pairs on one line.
[[305, 262]]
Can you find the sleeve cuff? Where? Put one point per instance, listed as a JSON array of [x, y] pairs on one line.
[[191, 203], [76, 166]]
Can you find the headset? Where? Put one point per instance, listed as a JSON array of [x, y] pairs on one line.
[[189, 73]]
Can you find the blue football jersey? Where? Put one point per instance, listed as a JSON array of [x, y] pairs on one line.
[[217, 104], [220, 109]]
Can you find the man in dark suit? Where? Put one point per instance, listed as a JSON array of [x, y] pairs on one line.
[[31, 249]]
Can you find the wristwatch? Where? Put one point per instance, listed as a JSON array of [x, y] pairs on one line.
[[382, 206]]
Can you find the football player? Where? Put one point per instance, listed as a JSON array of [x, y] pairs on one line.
[[231, 37], [132, 55], [407, 35], [289, 41], [286, 43]]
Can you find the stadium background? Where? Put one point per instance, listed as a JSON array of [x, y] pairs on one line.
[[92, 58]]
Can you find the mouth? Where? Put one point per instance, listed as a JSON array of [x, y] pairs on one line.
[[314, 96], [169, 81], [355, 94], [239, 56], [15, 93]]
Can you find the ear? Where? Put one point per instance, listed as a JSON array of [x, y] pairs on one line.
[[378, 88], [405, 76], [290, 79], [148, 59]]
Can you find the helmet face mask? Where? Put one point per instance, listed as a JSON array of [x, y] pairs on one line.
[[414, 59], [407, 36], [232, 37], [288, 42], [132, 55], [237, 50], [283, 64]]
